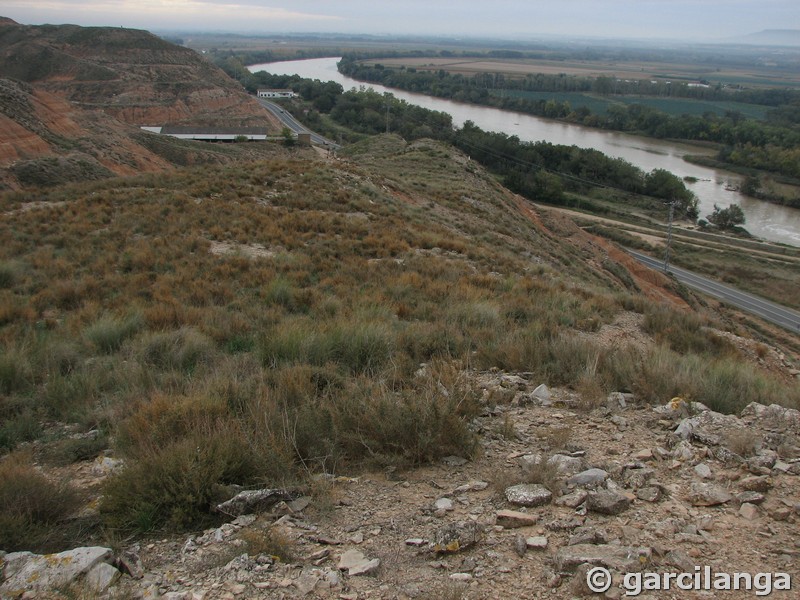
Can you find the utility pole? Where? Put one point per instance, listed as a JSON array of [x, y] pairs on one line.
[[388, 106], [669, 236]]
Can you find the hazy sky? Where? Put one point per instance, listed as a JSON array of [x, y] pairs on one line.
[[678, 19]]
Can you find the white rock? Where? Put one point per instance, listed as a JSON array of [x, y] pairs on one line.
[[101, 577], [528, 494], [365, 568], [541, 393], [511, 519], [355, 563], [565, 465], [707, 494], [472, 486], [105, 465], [703, 470], [244, 520], [748, 511], [38, 573], [588, 477], [443, 504], [536, 542]]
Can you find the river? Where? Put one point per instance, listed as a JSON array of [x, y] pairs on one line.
[[769, 221]]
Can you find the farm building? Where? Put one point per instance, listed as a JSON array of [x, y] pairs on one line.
[[276, 94]]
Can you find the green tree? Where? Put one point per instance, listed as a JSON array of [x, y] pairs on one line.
[[660, 183], [727, 218], [288, 137]]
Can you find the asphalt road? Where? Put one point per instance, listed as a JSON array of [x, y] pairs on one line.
[[293, 124], [769, 311]]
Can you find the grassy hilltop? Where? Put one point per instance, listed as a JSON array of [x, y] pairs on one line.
[[261, 322]]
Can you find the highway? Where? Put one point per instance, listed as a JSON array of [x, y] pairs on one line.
[[769, 311], [293, 124]]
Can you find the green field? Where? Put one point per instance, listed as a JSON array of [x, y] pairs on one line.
[[686, 106], [594, 103], [673, 106]]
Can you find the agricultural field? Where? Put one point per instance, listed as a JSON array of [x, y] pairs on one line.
[[687, 106], [761, 76], [671, 106]]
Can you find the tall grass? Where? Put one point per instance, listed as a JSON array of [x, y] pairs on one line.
[[724, 383], [358, 347], [108, 333]]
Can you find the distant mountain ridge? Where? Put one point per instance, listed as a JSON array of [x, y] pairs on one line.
[[773, 37], [73, 95]]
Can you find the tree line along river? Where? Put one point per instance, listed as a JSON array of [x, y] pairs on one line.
[[711, 186]]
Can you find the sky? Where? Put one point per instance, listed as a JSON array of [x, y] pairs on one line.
[[700, 20]]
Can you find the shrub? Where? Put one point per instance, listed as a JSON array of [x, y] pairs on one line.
[[268, 541], [357, 347], [65, 396], [664, 375], [15, 371], [17, 428], [68, 451], [728, 386], [281, 292], [32, 508], [423, 341], [181, 350], [411, 426], [724, 384], [108, 333], [684, 332], [362, 347], [10, 273], [175, 486], [166, 418]]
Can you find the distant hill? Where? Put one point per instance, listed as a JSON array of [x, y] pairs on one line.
[[773, 37], [72, 100]]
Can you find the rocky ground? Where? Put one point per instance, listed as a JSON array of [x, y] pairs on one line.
[[555, 489]]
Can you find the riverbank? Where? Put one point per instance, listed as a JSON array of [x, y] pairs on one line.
[[788, 185], [764, 220]]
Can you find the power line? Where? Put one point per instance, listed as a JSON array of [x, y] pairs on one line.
[[526, 163]]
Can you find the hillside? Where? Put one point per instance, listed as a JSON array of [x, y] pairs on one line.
[[368, 333], [72, 100]]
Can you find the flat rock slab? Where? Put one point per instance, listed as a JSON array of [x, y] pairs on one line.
[[588, 477], [708, 494], [101, 577], [457, 536], [607, 502], [620, 558], [511, 519], [528, 494], [253, 501], [536, 542], [355, 563], [46, 572], [651, 493], [573, 499], [565, 465]]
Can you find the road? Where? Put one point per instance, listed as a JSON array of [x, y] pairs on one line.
[[769, 311], [293, 124]]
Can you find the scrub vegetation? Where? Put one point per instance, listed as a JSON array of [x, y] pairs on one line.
[[259, 323]]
